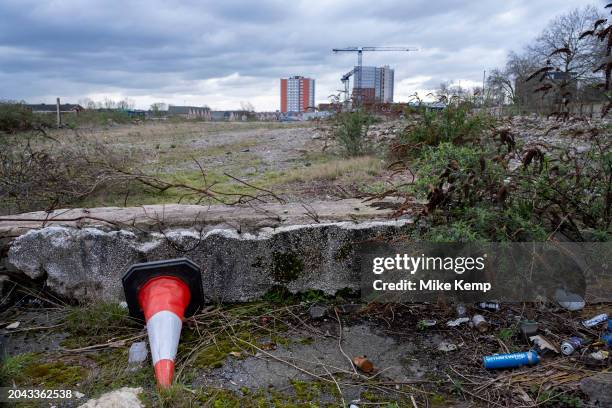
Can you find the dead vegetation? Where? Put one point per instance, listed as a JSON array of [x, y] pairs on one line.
[[42, 171], [94, 341], [39, 172]]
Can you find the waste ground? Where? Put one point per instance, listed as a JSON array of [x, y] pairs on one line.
[[289, 350]]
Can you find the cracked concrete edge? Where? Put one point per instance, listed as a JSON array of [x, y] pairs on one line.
[[87, 263], [245, 218]]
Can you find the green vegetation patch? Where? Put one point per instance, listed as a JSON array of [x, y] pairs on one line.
[[96, 323], [33, 369]]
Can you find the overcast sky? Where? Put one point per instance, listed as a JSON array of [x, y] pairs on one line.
[[224, 52]]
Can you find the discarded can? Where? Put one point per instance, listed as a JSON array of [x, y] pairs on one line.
[[529, 328], [594, 321], [610, 325], [607, 339], [570, 345], [461, 310], [492, 306], [480, 323], [512, 360]]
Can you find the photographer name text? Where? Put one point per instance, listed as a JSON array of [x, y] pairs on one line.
[[431, 285]]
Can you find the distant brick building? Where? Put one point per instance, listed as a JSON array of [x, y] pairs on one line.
[[297, 94]]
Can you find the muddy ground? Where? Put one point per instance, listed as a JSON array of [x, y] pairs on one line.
[[292, 352]]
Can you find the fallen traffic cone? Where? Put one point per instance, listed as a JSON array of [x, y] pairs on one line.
[[163, 293]]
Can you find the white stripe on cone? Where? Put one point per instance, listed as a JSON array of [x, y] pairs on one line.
[[164, 329]]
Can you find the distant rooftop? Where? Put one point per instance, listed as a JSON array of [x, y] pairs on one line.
[[43, 107], [184, 110]]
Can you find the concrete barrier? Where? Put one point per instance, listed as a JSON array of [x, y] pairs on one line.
[[85, 259]]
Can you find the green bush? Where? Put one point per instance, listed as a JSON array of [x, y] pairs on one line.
[[454, 124], [15, 117], [472, 195], [351, 132]]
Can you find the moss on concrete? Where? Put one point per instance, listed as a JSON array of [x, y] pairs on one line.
[[286, 266], [344, 252]]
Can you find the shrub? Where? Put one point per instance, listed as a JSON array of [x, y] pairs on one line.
[[473, 195], [351, 132], [455, 124], [15, 117], [42, 174]]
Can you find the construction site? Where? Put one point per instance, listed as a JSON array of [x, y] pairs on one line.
[[363, 250]]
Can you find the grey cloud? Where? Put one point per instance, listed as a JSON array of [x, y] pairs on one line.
[[165, 49]]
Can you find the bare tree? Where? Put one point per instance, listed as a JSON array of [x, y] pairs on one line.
[[158, 107], [247, 106], [560, 45], [500, 86], [108, 104], [125, 104], [447, 91], [87, 103], [502, 82]]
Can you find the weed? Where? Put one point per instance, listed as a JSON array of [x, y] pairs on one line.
[[41, 173], [557, 398], [33, 369], [473, 195], [505, 334], [351, 132], [313, 296], [94, 323], [421, 325], [12, 367], [350, 169], [15, 117], [281, 295], [455, 124]]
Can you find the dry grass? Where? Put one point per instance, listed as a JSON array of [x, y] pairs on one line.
[[279, 157], [352, 169]]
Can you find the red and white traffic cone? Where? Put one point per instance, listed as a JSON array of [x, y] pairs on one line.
[[163, 292]]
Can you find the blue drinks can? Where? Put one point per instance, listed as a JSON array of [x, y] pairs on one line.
[[610, 325], [512, 360], [607, 339]]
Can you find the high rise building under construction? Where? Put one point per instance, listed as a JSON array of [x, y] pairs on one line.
[[376, 84], [297, 94]]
